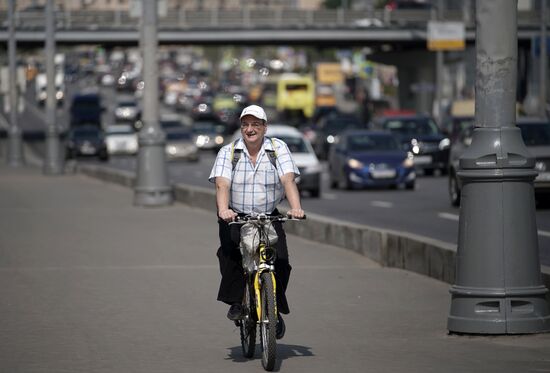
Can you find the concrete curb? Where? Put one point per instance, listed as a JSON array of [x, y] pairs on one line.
[[407, 251]]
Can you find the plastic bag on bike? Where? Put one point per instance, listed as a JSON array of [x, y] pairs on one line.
[[250, 239]]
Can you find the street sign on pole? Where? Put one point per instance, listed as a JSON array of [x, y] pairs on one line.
[[446, 36]]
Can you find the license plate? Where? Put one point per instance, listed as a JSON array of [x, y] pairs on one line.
[[423, 159], [383, 174]]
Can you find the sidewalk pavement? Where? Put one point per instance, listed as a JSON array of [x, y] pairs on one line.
[[91, 283]]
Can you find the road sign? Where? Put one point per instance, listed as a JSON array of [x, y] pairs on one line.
[[446, 36]]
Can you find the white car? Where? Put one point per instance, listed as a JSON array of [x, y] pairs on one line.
[[121, 139], [303, 154]]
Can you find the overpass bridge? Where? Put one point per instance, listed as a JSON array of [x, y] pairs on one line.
[[250, 26]]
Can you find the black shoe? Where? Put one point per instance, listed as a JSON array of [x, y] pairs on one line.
[[235, 312], [281, 328]]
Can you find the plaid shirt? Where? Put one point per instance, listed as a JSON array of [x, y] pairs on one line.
[[254, 189]]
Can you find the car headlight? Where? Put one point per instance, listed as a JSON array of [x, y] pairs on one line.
[[330, 139], [409, 161], [218, 140], [354, 163], [444, 144]]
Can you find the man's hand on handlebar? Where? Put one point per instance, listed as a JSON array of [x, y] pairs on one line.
[[296, 213], [227, 215]]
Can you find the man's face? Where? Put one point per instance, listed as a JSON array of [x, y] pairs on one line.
[[252, 129]]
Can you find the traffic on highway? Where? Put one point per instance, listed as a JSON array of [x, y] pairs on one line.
[[361, 160]]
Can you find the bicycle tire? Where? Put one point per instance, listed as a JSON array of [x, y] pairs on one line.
[[268, 324], [248, 322]]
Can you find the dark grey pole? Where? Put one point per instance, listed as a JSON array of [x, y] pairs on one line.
[[152, 187], [15, 145], [53, 164], [439, 69], [498, 287], [543, 60]]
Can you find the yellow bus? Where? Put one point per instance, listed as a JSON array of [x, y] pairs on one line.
[[296, 93]]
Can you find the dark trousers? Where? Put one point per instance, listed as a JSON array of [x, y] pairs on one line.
[[229, 255]]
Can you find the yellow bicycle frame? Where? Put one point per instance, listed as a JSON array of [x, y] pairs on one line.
[[262, 268]]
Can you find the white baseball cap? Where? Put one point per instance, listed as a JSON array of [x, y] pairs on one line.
[[255, 111]]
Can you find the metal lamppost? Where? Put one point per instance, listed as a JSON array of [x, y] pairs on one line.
[[152, 187], [498, 287], [543, 60], [15, 146], [53, 164]]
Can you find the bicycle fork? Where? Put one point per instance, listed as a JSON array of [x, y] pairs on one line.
[[263, 267]]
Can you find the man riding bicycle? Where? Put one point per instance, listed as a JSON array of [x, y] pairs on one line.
[[252, 176]]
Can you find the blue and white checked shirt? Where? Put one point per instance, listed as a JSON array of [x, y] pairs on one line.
[[254, 189]]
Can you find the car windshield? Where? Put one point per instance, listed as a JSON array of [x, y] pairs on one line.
[[535, 134], [127, 103], [337, 126], [295, 144], [372, 143], [207, 127], [417, 126], [86, 104], [178, 135], [85, 133], [167, 124]]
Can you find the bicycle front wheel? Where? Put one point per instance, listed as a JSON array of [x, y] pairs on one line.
[[248, 322], [268, 323]]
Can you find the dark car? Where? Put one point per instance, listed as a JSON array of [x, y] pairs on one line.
[[86, 141], [536, 136], [363, 158], [86, 109], [421, 136], [328, 128]]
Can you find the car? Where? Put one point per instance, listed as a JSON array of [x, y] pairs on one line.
[[210, 133], [304, 157], [536, 136], [86, 141], [86, 109], [170, 122], [121, 139], [127, 111], [365, 158], [180, 145], [328, 127], [420, 135]]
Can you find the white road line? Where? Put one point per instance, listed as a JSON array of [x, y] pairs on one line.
[[330, 196], [446, 215], [383, 204], [544, 233]]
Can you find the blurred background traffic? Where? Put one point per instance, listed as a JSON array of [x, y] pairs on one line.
[[370, 113]]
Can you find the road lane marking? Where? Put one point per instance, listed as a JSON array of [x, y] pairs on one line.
[[383, 204], [446, 215], [544, 233], [330, 196]]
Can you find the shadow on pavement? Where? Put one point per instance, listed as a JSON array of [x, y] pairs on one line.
[[284, 351]]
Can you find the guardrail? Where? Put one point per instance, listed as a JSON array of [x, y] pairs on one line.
[[248, 18]]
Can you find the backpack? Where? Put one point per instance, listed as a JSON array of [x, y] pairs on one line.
[[236, 154]]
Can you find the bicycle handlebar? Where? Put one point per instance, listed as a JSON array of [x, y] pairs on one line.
[[263, 218]]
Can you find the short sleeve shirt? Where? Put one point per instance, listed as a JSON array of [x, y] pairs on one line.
[[254, 189]]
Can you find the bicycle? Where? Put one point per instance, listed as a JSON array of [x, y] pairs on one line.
[[260, 301]]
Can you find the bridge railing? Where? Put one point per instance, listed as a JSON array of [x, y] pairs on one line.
[[247, 18]]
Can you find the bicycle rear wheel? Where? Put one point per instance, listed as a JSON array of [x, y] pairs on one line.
[[248, 322], [268, 324]]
